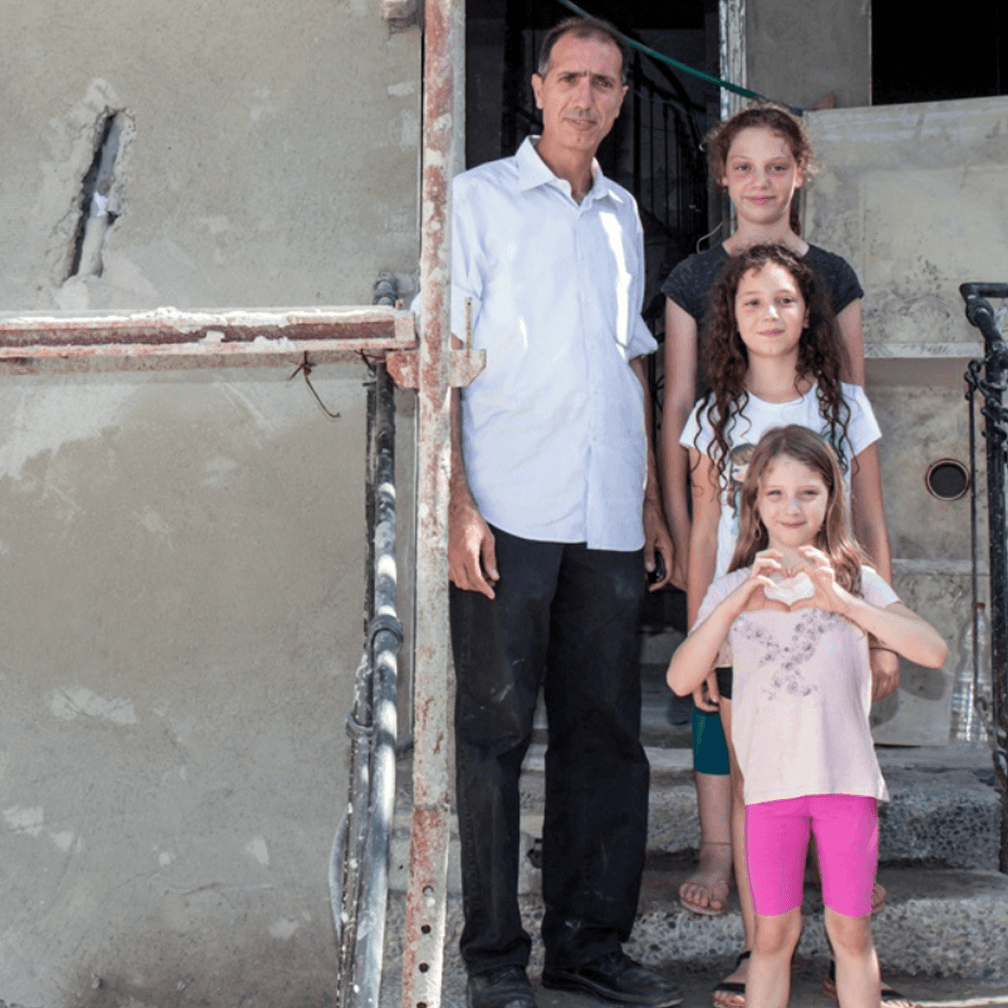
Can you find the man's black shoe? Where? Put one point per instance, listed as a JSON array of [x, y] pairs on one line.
[[616, 977], [503, 987]]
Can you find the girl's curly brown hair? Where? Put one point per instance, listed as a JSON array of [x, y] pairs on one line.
[[778, 120], [834, 539], [821, 353]]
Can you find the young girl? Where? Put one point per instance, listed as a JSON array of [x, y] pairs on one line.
[[797, 608], [780, 360], [761, 157]]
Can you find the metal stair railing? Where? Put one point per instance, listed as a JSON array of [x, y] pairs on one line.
[[992, 386]]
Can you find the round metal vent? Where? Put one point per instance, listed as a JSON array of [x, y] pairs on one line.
[[947, 479]]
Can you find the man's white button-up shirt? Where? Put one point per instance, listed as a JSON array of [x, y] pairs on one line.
[[553, 433]]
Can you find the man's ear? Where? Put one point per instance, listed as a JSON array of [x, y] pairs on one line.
[[626, 88], [537, 86]]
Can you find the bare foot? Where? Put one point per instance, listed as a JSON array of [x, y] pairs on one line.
[[706, 890]]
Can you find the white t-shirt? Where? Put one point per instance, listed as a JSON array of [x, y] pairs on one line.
[[801, 696], [747, 428]]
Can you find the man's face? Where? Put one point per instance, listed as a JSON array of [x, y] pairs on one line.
[[582, 92]]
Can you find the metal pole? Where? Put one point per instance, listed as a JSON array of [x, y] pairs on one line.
[[167, 339], [384, 638], [359, 864], [428, 864], [980, 314]]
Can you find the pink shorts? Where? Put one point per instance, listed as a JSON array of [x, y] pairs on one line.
[[776, 840]]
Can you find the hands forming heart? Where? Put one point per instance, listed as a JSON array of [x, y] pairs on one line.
[[790, 589], [809, 583]]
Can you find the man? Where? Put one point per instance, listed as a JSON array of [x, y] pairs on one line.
[[554, 516]]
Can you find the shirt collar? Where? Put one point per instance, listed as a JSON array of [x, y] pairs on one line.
[[533, 172]]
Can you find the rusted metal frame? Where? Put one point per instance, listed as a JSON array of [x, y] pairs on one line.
[[429, 832], [168, 339]]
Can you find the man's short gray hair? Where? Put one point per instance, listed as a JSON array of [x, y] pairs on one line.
[[580, 27]]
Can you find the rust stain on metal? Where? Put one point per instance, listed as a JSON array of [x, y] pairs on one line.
[[428, 871], [425, 913], [167, 338]]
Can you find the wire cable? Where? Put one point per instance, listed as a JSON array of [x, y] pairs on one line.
[[685, 68]]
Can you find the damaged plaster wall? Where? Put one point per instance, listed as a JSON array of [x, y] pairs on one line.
[[181, 553], [267, 143]]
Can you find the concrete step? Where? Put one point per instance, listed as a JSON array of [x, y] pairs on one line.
[[936, 923], [943, 810], [947, 908]]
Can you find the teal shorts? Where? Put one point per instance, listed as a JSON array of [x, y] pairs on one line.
[[710, 752]]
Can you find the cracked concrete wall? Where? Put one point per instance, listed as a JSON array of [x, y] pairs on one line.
[[181, 553], [268, 141]]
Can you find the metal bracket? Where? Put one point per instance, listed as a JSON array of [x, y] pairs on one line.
[[465, 365]]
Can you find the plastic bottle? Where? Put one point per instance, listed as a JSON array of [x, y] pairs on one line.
[[971, 689], [983, 684]]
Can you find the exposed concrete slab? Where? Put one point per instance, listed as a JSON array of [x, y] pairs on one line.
[[914, 197]]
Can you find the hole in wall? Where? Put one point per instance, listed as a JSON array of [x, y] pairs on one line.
[[947, 479], [100, 203]]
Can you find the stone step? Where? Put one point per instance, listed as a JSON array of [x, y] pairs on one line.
[[943, 810], [936, 922]]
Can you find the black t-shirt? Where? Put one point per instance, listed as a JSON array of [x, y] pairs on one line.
[[690, 283]]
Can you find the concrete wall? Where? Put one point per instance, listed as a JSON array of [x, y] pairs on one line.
[[915, 197], [181, 553], [800, 53], [266, 140]]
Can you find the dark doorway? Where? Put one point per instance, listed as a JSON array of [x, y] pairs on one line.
[[958, 55]]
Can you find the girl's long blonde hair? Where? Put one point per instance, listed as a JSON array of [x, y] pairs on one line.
[[834, 538]]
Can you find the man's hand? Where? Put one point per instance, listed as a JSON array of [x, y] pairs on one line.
[[885, 672], [472, 559], [657, 540]]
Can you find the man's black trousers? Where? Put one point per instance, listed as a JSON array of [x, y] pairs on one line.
[[564, 617]]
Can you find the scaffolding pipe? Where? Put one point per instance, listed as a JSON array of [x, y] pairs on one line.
[[167, 338], [993, 386], [359, 864], [428, 861]]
